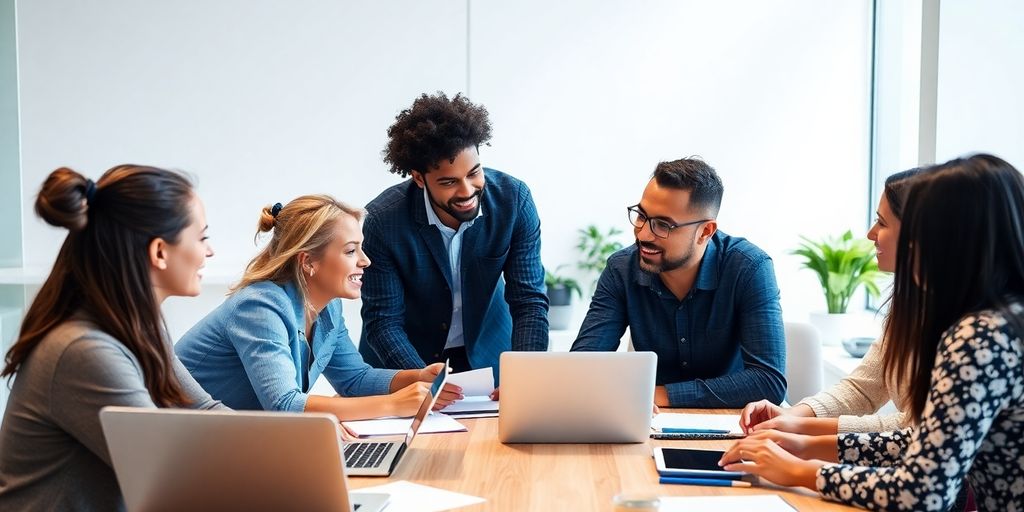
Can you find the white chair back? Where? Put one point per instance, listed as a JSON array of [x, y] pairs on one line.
[[804, 367]]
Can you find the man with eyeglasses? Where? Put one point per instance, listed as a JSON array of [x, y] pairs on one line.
[[707, 303]]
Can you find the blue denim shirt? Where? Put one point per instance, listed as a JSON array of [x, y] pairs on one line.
[[251, 352], [722, 346]]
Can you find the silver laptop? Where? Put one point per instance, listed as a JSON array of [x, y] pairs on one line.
[[179, 459], [576, 397], [380, 458]]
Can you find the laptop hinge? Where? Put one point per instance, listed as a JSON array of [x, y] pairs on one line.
[[398, 456]]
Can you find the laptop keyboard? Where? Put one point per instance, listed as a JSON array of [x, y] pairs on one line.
[[366, 455]]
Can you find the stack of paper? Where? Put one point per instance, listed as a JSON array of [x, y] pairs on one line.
[[407, 496], [697, 422], [477, 386], [477, 406], [434, 423]]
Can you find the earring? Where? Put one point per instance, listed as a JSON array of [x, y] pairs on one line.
[[311, 272]]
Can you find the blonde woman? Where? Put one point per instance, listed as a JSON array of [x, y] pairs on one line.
[[281, 326]]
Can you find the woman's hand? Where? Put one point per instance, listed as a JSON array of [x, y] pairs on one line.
[[757, 412], [449, 393], [407, 401], [429, 372], [765, 458], [796, 444], [764, 415], [799, 425], [804, 446], [345, 435]]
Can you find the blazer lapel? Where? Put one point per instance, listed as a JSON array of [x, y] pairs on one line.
[[431, 236], [472, 305]]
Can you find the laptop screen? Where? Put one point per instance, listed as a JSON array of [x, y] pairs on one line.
[[428, 403]]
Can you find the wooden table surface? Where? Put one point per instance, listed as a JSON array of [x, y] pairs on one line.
[[559, 477]]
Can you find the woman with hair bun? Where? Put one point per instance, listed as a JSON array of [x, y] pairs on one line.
[[281, 328], [94, 335]]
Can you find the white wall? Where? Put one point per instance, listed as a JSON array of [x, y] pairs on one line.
[[11, 297], [263, 101], [587, 98], [981, 71]]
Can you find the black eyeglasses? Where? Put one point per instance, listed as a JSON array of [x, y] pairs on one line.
[[660, 227]]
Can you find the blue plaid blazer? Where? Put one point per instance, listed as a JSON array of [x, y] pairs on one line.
[[407, 301]]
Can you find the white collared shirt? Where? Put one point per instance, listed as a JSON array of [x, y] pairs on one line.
[[453, 244]]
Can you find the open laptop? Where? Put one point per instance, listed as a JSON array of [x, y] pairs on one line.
[[576, 397], [380, 458], [179, 459]]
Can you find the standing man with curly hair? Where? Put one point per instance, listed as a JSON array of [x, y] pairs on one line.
[[456, 270]]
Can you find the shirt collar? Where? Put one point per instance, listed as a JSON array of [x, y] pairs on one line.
[[434, 220], [707, 274], [299, 305]]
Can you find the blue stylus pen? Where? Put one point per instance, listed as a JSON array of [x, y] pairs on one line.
[[702, 481], [677, 430]]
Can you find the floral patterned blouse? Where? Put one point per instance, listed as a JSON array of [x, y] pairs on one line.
[[972, 427]]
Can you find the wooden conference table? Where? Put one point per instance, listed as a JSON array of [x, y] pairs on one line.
[[560, 477]]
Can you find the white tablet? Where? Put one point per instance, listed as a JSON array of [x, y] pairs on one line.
[[695, 463]]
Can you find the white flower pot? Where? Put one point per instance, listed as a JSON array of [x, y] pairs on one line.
[[835, 327]]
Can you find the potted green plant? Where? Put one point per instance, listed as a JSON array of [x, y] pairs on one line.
[[595, 247], [843, 264], [560, 289]]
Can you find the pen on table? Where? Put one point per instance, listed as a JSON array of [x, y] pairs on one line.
[[702, 481], [677, 430]]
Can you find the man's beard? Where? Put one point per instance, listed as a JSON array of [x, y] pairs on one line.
[[666, 265], [449, 208]]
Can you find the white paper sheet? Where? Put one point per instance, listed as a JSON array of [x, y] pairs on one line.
[[759, 502], [434, 423], [730, 422], [407, 496], [478, 406], [479, 382]]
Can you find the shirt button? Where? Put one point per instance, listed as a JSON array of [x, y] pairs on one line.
[[682, 340], [685, 364], [444, 326]]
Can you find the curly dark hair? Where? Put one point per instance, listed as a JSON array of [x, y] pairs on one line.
[[434, 128]]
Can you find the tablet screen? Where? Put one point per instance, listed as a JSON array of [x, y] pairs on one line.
[[679, 458]]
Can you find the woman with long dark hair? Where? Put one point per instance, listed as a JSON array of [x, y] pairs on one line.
[[954, 337], [851, 405], [94, 335]]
